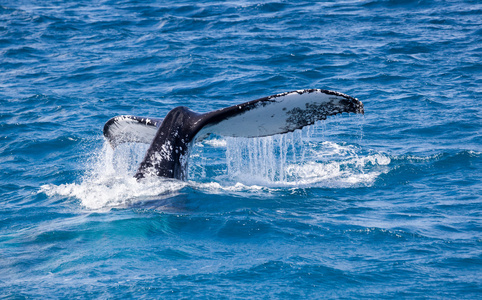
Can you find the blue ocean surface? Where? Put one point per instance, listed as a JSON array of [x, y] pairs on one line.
[[384, 205]]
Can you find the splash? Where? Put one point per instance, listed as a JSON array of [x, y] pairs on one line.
[[228, 165], [297, 159], [291, 160], [109, 181]]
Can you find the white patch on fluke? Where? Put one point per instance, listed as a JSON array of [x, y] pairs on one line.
[[281, 113], [128, 129]]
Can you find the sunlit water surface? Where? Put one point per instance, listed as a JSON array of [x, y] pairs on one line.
[[385, 205]]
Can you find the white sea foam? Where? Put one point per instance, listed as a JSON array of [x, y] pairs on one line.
[[294, 160], [109, 182], [231, 165], [218, 143], [117, 192]]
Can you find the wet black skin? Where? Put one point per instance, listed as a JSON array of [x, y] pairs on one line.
[[164, 157]]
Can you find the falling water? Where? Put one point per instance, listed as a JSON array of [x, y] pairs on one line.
[[300, 158], [264, 158]]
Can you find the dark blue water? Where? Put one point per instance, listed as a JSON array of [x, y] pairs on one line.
[[387, 205]]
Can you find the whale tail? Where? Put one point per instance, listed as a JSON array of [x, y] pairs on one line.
[[170, 138]]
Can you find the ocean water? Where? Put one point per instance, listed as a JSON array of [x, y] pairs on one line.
[[385, 205]]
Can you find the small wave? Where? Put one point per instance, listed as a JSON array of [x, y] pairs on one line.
[[460, 155], [115, 193], [218, 143], [216, 187]]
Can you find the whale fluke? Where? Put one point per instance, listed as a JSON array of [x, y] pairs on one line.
[[131, 129], [170, 139]]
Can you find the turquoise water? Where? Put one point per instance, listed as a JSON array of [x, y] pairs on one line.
[[386, 205]]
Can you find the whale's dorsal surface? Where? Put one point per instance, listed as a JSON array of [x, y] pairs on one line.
[[171, 137]]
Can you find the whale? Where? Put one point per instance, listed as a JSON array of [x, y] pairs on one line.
[[171, 138]]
